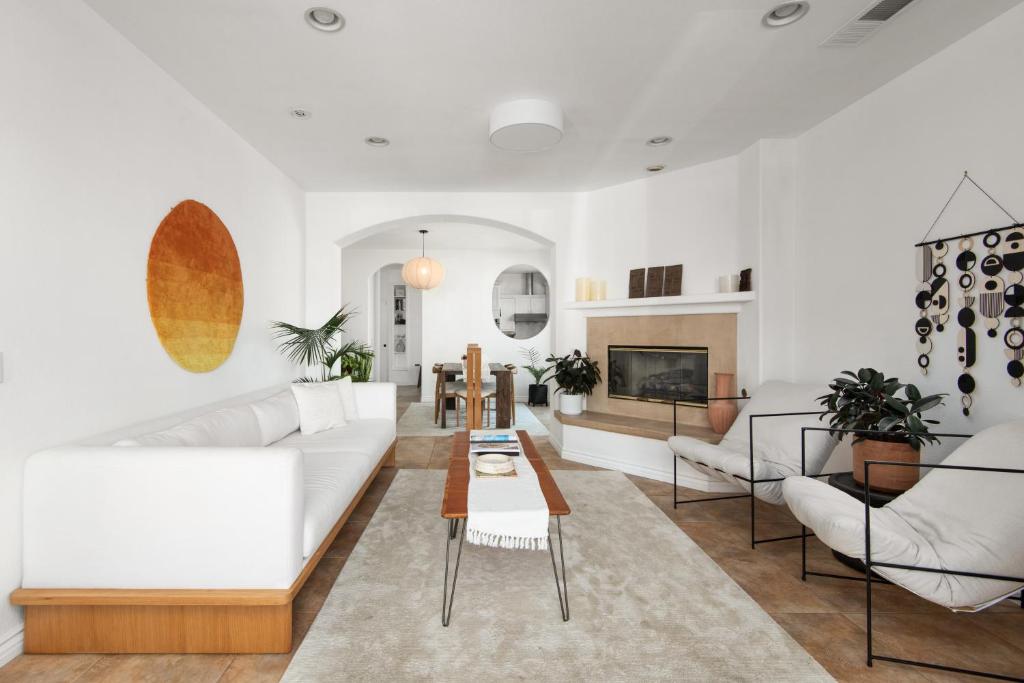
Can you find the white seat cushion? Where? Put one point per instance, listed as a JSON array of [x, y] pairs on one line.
[[372, 436], [330, 481], [709, 458]]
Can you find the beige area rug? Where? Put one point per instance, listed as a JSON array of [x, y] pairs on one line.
[[646, 602], [418, 420]]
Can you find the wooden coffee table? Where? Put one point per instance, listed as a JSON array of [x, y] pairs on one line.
[[454, 509]]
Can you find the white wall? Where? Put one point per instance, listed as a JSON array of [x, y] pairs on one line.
[[871, 181], [98, 144], [456, 313]]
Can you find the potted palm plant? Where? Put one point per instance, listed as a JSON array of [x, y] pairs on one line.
[[868, 400], [538, 391], [576, 375], [316, 348]]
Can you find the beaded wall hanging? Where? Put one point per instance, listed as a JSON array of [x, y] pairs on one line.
[[994, 294]]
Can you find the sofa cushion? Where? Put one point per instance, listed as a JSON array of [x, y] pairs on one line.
[[320, 406], [348, 398], [373, 436], [278, 416], [330, 481], [230, 427]]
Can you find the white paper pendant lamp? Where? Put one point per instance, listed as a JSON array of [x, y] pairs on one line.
[[423, 272], [526, 125]]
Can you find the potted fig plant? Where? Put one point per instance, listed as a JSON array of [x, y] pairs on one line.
[[538, 392], [576, 375], [868, 400]]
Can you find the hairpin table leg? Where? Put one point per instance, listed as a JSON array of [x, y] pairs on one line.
[[562, 589], [446, 601]]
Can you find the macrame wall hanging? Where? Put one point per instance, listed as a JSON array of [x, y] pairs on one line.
[[997, 293]]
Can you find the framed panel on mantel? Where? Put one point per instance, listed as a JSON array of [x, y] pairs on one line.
[[637, 279], [716, 331]]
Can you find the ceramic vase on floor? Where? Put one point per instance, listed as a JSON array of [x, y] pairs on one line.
[[721, 414]]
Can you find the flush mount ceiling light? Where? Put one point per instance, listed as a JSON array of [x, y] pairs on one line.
[[324, 19], [656, 168], [301, 113], [785, 14], [374, 141], [659, 140], [526, 125], [422, 272]]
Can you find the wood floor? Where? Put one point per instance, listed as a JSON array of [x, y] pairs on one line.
[[826, 616]]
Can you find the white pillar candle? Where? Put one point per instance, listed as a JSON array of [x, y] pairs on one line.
[[599, 290], [583, 289]]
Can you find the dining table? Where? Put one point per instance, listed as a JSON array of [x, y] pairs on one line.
[[504, 389]]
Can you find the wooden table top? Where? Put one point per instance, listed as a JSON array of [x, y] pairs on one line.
[[456, 486], [457, 369]]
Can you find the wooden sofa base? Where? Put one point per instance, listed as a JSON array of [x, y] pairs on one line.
[[163, 628], [242, 621]]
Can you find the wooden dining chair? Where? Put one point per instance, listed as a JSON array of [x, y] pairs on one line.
[[443, 391]]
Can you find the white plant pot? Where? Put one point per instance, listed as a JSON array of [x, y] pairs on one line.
[[572, 404]]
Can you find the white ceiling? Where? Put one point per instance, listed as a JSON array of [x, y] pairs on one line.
[[447, 236], [427, 74]]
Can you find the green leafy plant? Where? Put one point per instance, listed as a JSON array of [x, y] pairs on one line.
[[575, 373], [533, 357], [869, 400], [316, 348]]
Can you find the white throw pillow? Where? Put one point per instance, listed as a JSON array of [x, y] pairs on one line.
[[278, 416], [348, 398], [320, 407]]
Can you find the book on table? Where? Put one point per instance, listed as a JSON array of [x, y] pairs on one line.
[[502, 441], [493, 436]]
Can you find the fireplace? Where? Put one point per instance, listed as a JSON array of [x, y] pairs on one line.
[[661, 374]]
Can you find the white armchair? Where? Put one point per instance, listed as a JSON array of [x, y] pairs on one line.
[[953, 539], [759, 457]]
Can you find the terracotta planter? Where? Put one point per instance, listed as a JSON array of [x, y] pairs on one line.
[[892, 479], [721, 414]]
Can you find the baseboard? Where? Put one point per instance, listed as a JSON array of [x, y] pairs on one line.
[[648, 472], [12, 645]]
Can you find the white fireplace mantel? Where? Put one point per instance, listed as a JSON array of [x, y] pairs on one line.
[[687, 304]]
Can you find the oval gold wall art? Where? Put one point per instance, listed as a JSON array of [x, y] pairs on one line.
[[194, 284]]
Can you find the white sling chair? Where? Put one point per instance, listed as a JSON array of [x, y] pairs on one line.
[[954, 538], [776, 451]]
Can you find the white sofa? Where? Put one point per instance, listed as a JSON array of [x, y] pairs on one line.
[[231, 497]]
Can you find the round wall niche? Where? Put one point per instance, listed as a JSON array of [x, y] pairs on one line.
[[520, 302]]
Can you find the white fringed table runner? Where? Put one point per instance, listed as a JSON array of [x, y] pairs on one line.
[[507, 512]]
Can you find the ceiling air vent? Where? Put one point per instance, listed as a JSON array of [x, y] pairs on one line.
[[857, 30]]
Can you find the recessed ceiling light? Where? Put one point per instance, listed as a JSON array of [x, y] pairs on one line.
[[656, 168], [377, 142], [324, 19], [785, 14], [659, 140], [301, 113]]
